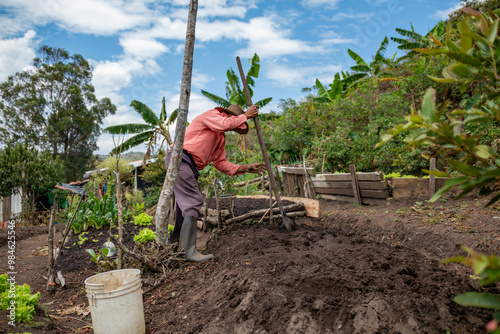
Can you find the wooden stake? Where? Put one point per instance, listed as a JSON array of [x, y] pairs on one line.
[[355, 187], [50, 250], [217, 205], [432, 178]]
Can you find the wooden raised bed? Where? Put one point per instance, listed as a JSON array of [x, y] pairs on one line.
[[372, 187]]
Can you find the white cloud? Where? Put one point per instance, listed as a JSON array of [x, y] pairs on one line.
[[443, 14], [16, 54], [296, 76], [265, 36], [352, 16], [143, 48], [199, 80], [84, 16], [318, 3], [110, 77]]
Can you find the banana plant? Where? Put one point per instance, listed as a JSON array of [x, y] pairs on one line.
[[234, 90], [414, 40], [156, 126], [325, 95], [377, 67]]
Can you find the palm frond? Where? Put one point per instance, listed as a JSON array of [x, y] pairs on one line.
[[410, 34], [322, 92], [163, 113], [379, 55], [254, 67], [412, 45], [134, 141], [147, 114], [217, 99], [438, 30], [353, 78], [262, 103], [173, 116], [399, 40], [357, 58], [361, 68], [124, 129]]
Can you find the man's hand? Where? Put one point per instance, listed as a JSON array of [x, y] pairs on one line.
[[252, 111], [253, 168]]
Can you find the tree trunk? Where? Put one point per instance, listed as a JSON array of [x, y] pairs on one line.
[[163, 208], [119, 264], [50, 248]]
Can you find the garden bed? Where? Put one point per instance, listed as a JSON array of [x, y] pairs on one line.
[[356, 269]]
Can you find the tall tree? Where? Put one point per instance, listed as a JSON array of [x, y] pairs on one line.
[[163, 207], [52, 106]]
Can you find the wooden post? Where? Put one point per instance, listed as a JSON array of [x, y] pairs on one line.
[[246, 187], [323, 164], [354, 181], [432, 178], [271, 201], [50, 250], [217, 203], [280, 186]]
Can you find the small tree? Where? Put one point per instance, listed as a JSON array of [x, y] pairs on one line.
[[30, 171], [144, 133]]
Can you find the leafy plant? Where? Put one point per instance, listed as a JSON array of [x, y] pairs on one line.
[[96, 257], [234, 91], [94, 212], [143, 219], [146, 235], [82, 238], [25, 302], [487, 270]]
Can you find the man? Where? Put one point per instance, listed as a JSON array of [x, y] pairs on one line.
[[205, 142]]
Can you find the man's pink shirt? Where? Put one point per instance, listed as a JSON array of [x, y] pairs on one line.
[[206, 142]]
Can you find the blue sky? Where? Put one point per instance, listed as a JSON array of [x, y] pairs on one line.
[[137, 46]]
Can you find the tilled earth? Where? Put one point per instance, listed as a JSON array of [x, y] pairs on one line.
[[369, 269]]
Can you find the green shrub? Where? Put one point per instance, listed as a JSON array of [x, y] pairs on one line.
[[143, 219], [25, 302]]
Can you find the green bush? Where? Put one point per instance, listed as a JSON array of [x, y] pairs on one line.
[[143, 219], [25, 302]]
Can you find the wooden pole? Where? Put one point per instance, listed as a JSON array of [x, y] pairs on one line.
[[280, 186], [287, 221], [50, 248], [355, 187], [432, 178], [217, 205]]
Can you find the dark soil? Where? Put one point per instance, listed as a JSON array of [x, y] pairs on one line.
[[357, 269]]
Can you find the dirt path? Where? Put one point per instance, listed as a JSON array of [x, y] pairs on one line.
[[370, 269]]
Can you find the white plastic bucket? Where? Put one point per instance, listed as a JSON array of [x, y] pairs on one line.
[[115, 300]]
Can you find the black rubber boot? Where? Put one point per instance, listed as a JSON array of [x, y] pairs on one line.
[[188, 241]]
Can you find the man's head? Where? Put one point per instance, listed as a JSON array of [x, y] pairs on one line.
[[235, 110]]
